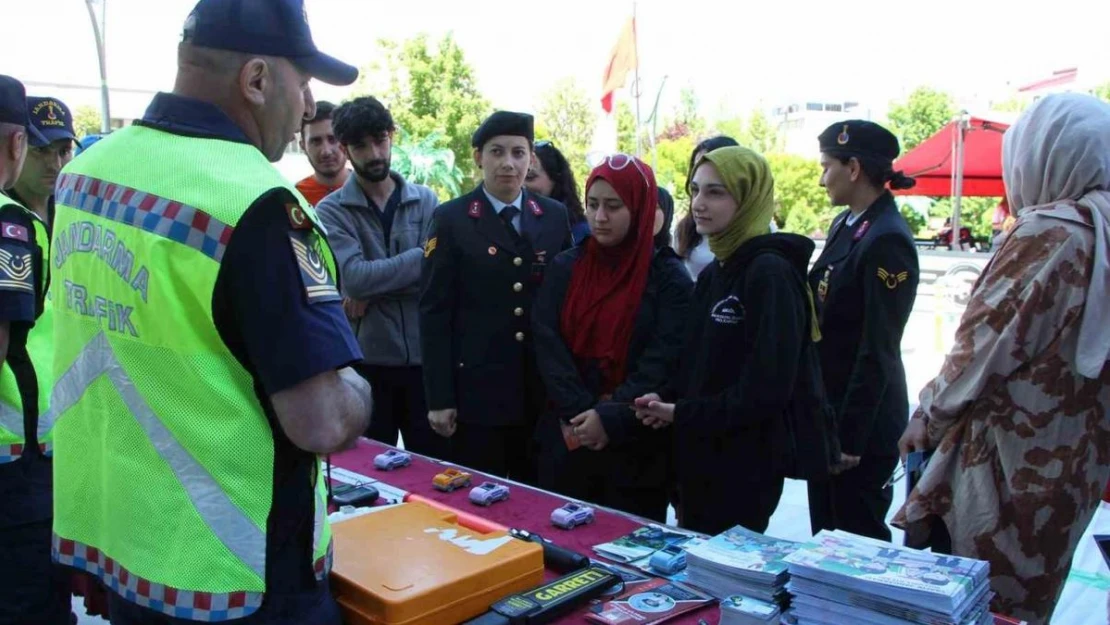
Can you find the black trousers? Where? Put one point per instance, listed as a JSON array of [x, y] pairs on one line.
[[501, 451], [592, 477], [855, 501], [33, 589], [712, 507], [399, 407]]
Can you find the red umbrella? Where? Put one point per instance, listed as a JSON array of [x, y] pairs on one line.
[[931, 162]]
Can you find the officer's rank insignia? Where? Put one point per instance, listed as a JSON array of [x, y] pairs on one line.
[[430, 246], [298, 220], [15, 272], [892, 280], [823, 285], [843, 138], [318, 284], [863, 228], [475, 210], [535, 206]]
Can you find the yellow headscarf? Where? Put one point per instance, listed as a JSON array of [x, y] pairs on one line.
[[747, 176]]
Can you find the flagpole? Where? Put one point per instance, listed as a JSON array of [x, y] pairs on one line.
[[636, 82]]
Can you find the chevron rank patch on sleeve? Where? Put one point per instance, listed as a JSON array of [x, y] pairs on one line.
[[892, 280], [319, 286], [16, 269]]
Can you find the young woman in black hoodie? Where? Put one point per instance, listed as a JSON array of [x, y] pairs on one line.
[[608, 326], [748, 344]]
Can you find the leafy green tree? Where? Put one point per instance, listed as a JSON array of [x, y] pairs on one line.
[[915, 219], [760, 134], [430, 89], [1102, 92], [626, 128], [924, 113], [797, 188], [86, 121], [1013, 105], [976, 213], [672, 159], [425, 162], [731, 127], [566, 117], [688, 114]]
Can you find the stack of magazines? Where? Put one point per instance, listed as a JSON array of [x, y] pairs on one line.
[[839, 577], [741, 562]]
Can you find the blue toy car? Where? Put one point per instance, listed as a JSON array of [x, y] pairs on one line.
[[488, 493], [392, 459], [572, 515], [668, 560]]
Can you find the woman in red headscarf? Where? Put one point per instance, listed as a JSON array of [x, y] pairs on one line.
[[608, 328]]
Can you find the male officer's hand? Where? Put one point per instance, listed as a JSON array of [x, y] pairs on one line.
[[443, 421]]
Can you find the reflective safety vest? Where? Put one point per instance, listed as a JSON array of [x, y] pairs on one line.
[[13, 437], [164, 456]]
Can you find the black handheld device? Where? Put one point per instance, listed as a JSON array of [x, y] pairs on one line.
[[354, 495], [550, 601], [555, 557]]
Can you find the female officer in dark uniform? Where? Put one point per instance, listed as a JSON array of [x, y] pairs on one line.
[[484, 260], [865, 282]]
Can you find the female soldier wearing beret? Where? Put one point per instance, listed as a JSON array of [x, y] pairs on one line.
[[865, 282]]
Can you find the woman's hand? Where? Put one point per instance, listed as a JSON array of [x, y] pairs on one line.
[[915, 438], [590, 431], [653, 412]]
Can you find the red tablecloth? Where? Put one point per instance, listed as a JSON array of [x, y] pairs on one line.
[[527, 508]]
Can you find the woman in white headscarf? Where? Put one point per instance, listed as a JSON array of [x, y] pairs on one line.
[[1019, 418]]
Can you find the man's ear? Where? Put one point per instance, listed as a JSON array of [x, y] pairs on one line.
[[478, 157], [255, 80], [343, 149]]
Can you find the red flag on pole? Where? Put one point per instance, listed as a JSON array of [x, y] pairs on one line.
[[621, 61]]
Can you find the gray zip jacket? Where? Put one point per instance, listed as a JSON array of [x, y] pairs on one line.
[[387, 276]]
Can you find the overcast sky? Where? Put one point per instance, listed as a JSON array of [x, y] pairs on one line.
[[736, 54]]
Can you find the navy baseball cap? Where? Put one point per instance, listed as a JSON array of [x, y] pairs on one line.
[[267, 27], [52, 118], [13, 108]]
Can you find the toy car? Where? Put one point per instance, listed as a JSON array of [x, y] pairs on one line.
[[450, 480], [488, 493], [392, 459], [668, 560], [572, 515]]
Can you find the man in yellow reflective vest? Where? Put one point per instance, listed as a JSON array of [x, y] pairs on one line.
[[33, 591], [201, 351]]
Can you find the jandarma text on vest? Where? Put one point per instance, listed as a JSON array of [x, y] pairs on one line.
[[89, 238]]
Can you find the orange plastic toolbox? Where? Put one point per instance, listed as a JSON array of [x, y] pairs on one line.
[[413, 564]]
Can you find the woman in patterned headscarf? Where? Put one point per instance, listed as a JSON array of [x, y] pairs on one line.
[[1018, 415]]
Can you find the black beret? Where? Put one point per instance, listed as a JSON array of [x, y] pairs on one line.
[[503, 123], [861, 139]]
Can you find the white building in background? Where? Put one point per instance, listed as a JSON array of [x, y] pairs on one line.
[[800, 121], [127, 105]]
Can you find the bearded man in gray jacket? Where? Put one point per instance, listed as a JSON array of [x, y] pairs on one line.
[[377, 225]]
